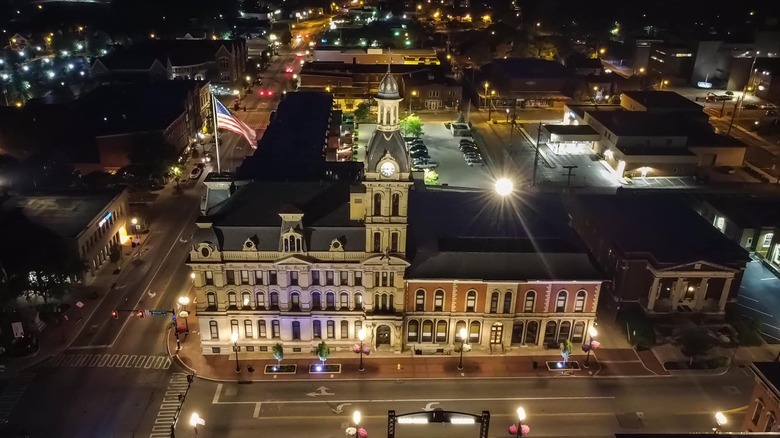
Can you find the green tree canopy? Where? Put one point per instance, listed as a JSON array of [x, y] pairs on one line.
[[412, 125], [362, 112]]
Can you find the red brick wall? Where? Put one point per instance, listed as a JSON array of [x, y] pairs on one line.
[[771, 406]]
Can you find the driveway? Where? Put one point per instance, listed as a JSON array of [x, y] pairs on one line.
[[759, 298]]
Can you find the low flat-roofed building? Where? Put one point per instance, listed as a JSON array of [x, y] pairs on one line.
[[85, 224], [377, 56], [660, 101], [659, 252], [530, 83], [509, 271]]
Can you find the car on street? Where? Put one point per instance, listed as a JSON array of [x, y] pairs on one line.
[[415, 142], [264, 93], [196, 172], [474, 161], [768, 106], [420, 147], [423, 166], [420, 154], [712, 97], [750, 106], [468, 147], [207, 158]]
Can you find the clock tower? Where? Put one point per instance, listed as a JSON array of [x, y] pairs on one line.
[[387, 175]]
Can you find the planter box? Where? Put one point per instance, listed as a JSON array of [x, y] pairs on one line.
[[558, 365], [281, 369], [317, 368]]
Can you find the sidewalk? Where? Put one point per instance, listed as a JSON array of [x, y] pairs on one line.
[[58, 335], [620, 362]]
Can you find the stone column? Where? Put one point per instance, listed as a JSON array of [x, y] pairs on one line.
[[652, 294], [540, 333], [724, 296], [701, 292]]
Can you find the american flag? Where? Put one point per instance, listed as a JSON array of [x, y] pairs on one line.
[[226, 120]]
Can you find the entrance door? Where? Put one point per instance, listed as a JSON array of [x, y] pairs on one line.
[[497, 333], [382, 335]]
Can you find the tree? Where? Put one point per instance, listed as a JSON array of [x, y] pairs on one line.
[[323, 351], [695, 341], [286, 37], [278, 350], [566, 349], [412, 125], [115, 255], [431, 177], [362, 112]]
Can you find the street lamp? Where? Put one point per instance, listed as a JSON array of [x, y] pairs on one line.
[[462, 334], [362, 337], [721, 421], [184, 301], [195, 421], [592, 332], [490, 104], [504, 187], [356, 417], [507, 115], [234, 340], [486, 85], [520, 419], [414, 94], [134, 222]]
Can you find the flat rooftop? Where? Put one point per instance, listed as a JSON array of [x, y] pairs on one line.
[[663, 100], [748, 211]]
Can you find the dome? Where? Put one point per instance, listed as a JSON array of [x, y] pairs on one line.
[[388, 88]]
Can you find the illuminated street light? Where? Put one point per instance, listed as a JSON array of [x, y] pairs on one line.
[[504, 187], [720, 420], [520, 418], [361, 337], [234, 340], [195, 421], [462, 333], [592, 332], [602, 51]]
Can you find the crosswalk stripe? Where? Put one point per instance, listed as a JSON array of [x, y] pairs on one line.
[[103, 360], [113, 361], [122, 361], [131, 360], [158, 362]]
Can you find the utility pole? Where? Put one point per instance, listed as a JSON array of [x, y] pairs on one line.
[[536, 155], [569, 174]]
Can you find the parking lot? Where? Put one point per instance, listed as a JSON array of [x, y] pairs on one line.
[[443, 149]]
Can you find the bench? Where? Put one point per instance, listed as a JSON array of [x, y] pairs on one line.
[[432, 352]]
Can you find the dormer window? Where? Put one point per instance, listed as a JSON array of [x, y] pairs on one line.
[[205, 250], [292, 242], [249, 245], [336, 245]]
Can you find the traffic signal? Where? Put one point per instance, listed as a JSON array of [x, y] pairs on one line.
[[140, 313], [115, 314]]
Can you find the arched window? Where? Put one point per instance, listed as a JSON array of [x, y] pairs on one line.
[[377, 303], [564, 332], [377, 204], [508, 302], [295, 301], [458, 326], [248, 329], [260, 300], [560, 302], [274, 300], [292, 242], [494, 302], [395, 209], [517, 332], [530, 302], [384, 302], [330, 301], [412, 334], [246, 301], [427, 331], [316, 329], [377, 241], [394, 236], [316, 301], [438, 300], [441, 331], [471, 301], [550, 332], [579, 332], [391, 302], [532, 332], [419, 300], [770, 423], [232, 303], [211, 301], [474, 331], [344, 301], [579, 302], [358, 301]]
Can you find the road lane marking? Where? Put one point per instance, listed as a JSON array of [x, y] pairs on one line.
[[216, 400], [164, 421], [12, 394], [770, 278], [256, 414], [748, 298], [757, 311]]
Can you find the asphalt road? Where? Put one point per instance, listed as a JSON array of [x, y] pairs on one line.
[[555, 407], [759, 298]]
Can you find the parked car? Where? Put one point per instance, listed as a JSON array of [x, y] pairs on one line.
[[750, 106], [416, 142], [420, 154], [467, 147], [465, 141], [424, 161], [418, 148], [196, 172], [474, 162], [768, 106]]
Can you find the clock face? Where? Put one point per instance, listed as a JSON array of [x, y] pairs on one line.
[[387, 169]]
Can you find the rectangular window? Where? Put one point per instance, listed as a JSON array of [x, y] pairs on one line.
[[274, 300], [211, 300], [272, 277], [329, 278], [293, 278], [393, 242], [315, 278], [358, 327], [494, 303], [384, 279], [276, 332], [330, 301], [295, 302], [248, 329], [344, 301], [757, 412], [376, 279], [419, 304], [767, 239], [244, 277], [359, 278], [261, 329], [392, 279], [438, 302], [529, 302], [343, 278], [231, 277], [471, 302], [316, 329], [210, 278], [296, 331], [258, 277], [213, 329], [233, 326], [331, 326], [344, 330]]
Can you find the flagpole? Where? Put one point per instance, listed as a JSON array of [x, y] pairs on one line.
[[216, 136]]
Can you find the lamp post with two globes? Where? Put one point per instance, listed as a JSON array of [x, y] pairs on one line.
[[234, 340], [592, 332], [720, 420], [362, 337], [184, 301], [462, 333], [195, 421]]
